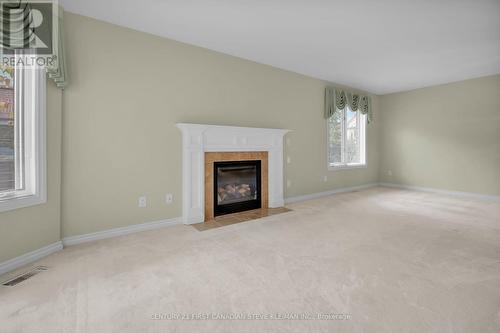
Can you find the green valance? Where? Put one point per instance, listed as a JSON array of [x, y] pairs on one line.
[[59, 72], [338, 99]]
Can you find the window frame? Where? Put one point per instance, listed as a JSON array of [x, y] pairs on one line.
[[363, 148], [30, 156]]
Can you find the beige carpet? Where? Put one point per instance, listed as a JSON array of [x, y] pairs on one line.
[[392, 260]]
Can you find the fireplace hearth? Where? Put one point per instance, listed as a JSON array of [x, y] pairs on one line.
[[237, 186]]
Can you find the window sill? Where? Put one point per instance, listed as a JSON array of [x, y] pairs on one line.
[[346, 167], [16, 202]]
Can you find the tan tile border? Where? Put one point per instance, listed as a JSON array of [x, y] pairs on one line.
[[211, 157], [249, 215]]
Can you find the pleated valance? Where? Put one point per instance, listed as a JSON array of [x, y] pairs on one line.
[[58, 72], [338, 99], [15, 17]]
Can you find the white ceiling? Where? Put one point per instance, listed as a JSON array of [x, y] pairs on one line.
[[380, 46]]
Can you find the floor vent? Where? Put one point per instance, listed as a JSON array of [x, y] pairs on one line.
[[25, 276]]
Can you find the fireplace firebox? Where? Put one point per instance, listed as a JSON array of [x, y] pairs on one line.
[[237, 186]]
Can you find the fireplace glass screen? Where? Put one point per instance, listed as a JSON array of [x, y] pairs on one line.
[[237, 186]]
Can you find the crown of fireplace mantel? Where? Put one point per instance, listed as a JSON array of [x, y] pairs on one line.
[[200, 138]]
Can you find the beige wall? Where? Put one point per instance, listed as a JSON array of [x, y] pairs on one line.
[[129, 89], [28, 229], [445, 137]]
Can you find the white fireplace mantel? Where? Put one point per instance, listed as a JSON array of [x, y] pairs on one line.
[[198, 139]]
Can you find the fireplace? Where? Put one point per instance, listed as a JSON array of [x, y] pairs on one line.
[[237, 186], [203, 144]]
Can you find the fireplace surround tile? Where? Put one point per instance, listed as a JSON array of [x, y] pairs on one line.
[[212, 157]]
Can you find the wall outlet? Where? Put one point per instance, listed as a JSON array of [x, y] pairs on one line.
[[169, 198], [325, 178], [288, 183], [142, 202], [288, 159], [389, 172]]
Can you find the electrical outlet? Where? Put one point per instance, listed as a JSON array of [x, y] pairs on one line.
[[142, 202], [288, 159], [169, 198], [389, 172], [288, 183], [325, 178]]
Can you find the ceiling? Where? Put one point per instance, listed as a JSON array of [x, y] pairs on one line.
[[379, 46]]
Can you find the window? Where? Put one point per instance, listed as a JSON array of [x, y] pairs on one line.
[[7, 135], [346, 139], [22, 137]]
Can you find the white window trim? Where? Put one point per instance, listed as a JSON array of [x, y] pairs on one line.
[[363, 149], [34, 112]]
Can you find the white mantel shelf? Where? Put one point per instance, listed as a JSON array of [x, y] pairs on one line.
[[200, 138]]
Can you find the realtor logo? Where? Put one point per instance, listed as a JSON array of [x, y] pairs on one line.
[[29, 27]]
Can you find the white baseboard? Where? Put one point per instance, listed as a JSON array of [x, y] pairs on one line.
[[468, 195], [29, 257], [327, 193], [73, 240], [33, 256]]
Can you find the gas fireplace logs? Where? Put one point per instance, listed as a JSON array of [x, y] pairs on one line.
[[230, 192]]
